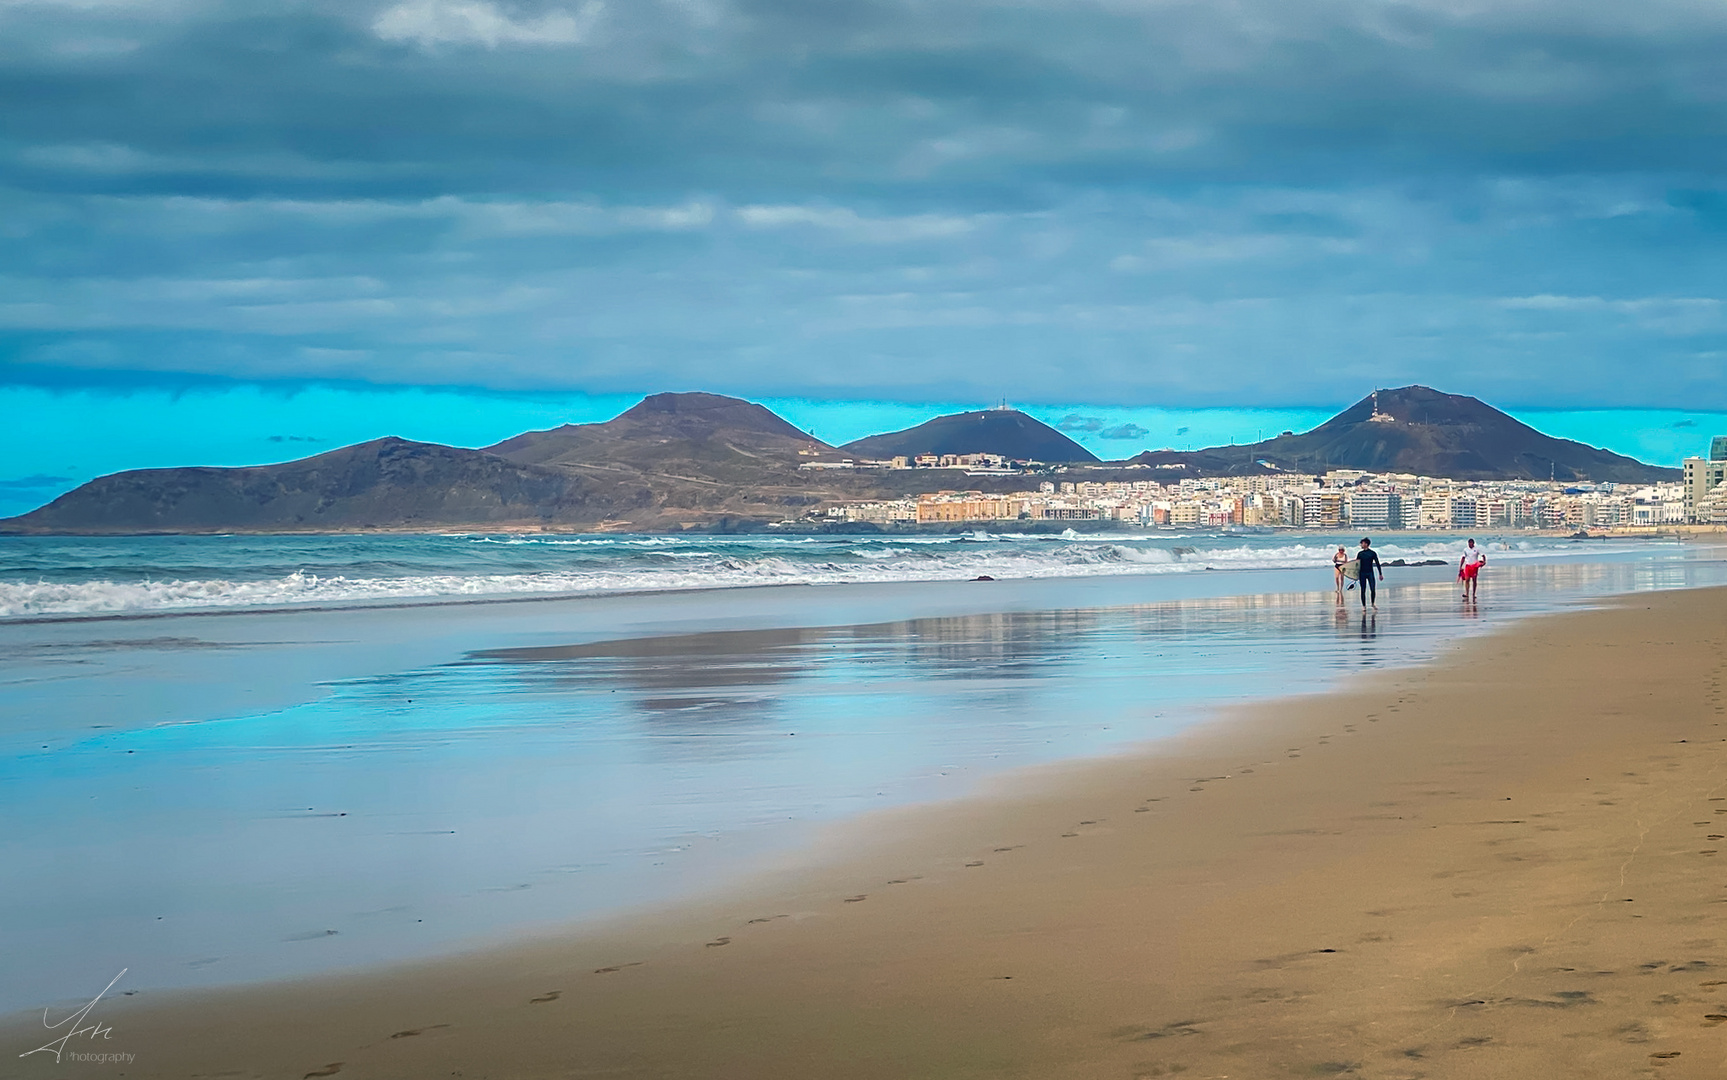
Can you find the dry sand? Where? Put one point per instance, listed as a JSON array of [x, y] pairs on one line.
[[1501, 865]]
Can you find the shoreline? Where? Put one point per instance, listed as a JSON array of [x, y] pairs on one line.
[[1035, 527], [1265, 894], [1126, 570]]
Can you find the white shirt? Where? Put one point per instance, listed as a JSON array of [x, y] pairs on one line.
[[1474, 556]]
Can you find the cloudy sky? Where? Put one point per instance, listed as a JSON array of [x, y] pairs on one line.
[[1271, 203]]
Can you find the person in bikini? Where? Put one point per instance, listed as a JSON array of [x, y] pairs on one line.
[[1469, 569], [1338, 562]]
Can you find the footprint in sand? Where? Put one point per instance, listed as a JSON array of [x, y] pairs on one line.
[[331, 1069], [717, 942], [1711, 1019], [550, 995], [411, 1032], [768, 918], [1065, 835], [619, 967], [1664, 1055], [969, 865], [1141, 1033], [1015, 847], [857, 899]]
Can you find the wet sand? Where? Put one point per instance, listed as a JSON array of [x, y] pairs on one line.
[[1504, 864]]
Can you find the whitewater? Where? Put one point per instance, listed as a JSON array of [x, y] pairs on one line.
[[108, 576]]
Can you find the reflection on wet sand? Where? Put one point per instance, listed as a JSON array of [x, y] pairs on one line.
[[561, 781], [1017, 664]]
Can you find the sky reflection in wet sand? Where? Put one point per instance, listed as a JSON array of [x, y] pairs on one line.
[[409, 813]]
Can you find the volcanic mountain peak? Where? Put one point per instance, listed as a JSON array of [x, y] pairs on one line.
[[1007, 432], [693, 412], [1416, 429], [662, 427], [387, 482], [1422, 405]]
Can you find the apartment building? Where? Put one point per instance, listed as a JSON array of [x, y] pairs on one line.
[[1702, 476]]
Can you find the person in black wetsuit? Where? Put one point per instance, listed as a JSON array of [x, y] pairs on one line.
[[1368, 569]]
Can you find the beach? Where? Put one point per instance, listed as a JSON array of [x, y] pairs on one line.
[[1499, 863]]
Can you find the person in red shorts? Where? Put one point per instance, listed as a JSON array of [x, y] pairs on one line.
[[1469, 569]]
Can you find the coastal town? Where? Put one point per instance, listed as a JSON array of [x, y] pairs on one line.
[[1339, 498]]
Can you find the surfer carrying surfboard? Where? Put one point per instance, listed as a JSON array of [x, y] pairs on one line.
[[1367, 572]]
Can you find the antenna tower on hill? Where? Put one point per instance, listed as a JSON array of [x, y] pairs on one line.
[[1379, 417]]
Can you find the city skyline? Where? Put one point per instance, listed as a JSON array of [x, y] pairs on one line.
[[1341, 498]]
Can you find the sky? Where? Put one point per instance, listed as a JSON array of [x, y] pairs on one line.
[[1175, 205], [1185, 203]]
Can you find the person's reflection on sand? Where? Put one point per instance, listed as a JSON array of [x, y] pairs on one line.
[[1471, 610], [1369, 625]]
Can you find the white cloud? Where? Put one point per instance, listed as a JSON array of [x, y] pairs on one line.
[[465, 218], [87, 5], [1672, 315], [848, 221], [1551, 302], [488, 218], [89, 157], [482, 22]]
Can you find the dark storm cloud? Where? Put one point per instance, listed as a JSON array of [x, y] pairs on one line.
[[757, 98], [1124, 431], [1076, 422], [1261, 201], [33, 482]]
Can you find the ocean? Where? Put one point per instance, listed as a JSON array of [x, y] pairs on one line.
[[230, 759], [48, 576]]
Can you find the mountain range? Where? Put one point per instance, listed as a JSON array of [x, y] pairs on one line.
[[705, 461]]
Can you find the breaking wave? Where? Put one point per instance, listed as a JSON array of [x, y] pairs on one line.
[[136, 575]]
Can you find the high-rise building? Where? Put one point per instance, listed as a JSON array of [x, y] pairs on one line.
[[1466, 513], [1411, 512], [1704, 475], [1323, 510], [1376, 509]]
